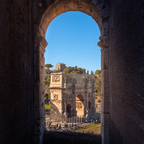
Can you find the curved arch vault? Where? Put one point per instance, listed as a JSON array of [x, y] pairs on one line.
[[99, 11]]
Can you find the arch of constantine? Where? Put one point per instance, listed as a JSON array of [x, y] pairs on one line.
[[72, 95]]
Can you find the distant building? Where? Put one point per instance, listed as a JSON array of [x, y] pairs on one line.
[[60, 66]]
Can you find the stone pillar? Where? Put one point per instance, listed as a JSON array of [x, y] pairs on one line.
[[104, 88], [93, 102], [85, 103], [39, 67]]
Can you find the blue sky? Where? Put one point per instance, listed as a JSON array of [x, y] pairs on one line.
[[72, 39]]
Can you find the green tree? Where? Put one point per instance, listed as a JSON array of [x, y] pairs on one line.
[[47, 81], [97, 72], [87, 72], [48, 66], [74, 70]]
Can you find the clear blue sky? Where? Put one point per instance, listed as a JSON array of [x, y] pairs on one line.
[[72, 39]]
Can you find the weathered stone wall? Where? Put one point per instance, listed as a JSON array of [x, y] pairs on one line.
[[126, 71], [16, 72]]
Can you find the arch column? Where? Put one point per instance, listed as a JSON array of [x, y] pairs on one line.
[[39, 76], [104, 87]]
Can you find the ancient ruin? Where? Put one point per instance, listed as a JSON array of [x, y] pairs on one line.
[[23, 25], [72, 95], [60, 66]]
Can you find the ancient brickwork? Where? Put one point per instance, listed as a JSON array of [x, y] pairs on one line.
[[126, 55], [16, 72]]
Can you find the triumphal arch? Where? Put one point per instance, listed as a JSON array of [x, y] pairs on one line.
[[72, 95]]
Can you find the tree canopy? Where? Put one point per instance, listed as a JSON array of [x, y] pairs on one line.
[[98, 72], [48, 66], [74, 70]]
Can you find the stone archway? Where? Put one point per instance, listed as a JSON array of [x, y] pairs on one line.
[[100, 13], [80, 105]]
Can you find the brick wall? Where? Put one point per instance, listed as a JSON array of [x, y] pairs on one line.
[[16, 73], [126, 72]]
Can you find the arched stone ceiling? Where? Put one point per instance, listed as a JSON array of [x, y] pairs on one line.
[[62, 6]]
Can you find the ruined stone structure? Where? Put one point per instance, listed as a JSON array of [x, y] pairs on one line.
[[23, 26], [60, 66], [73, 95]]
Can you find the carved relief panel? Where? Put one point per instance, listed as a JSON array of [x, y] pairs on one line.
[[79, 105], [56, 78]]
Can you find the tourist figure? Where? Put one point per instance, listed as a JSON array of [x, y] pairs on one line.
[[91, 120], [49, 124], [96, 120], [66, 125]]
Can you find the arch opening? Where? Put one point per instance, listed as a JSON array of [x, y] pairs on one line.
[[80, 105], [58, 7]]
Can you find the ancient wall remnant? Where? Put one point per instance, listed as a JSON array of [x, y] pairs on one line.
[[60, 66]]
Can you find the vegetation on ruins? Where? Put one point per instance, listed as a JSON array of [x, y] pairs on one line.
[[74, 70], [98, 82], [97, 72]]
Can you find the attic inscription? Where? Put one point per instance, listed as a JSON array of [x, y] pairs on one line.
[[56, 78]]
